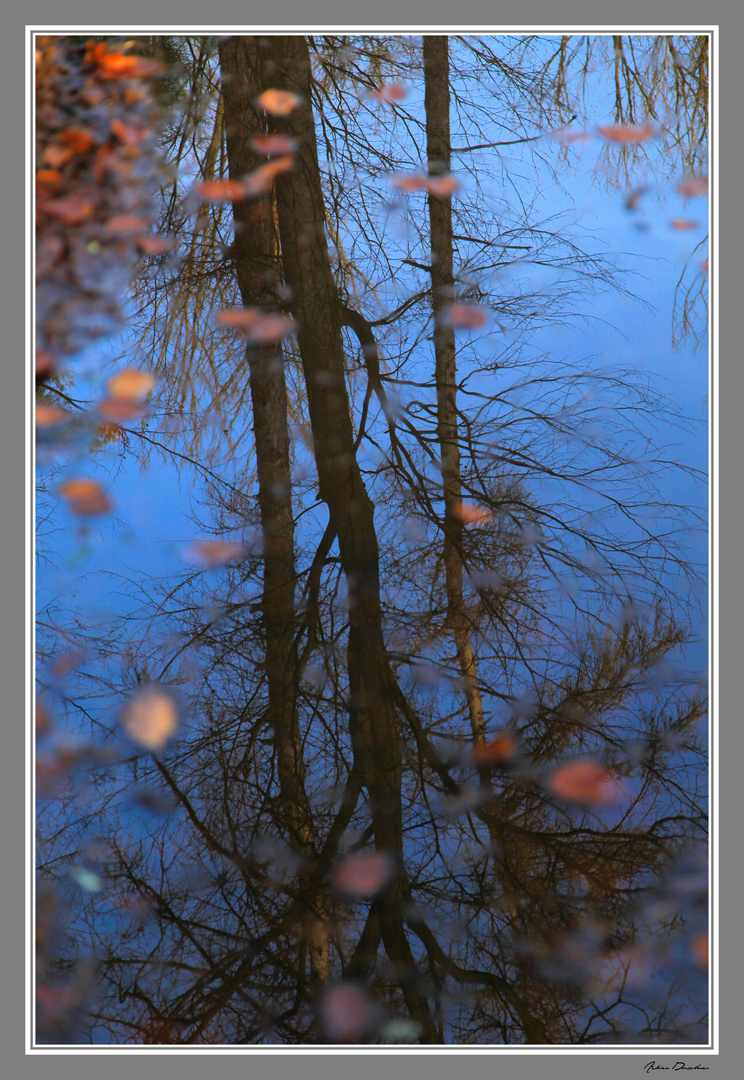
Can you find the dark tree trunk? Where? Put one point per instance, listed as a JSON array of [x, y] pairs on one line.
[[437, 106], [317, 309], [255, 254]]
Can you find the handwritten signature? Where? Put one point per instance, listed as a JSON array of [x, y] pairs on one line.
[[651, 1066]]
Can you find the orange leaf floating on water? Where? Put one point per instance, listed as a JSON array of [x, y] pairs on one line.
[[363, 874], [278, 102], [130, 384], [389, 93], [116, 65], [49, 180], [699, 950], [85, 497], [119, 410], [150, 719], [220, 190], [212, 553], [260, 181], [496, 752], [442, 186], [583, 782], [255, 325], [683, 225], [438, 186], [693, 185], [472, 515], [78, 140], [126, 224], [273, 144], [112, 65], [56, 156], [70, 210], [464, 316], [49, 415], [128, 134], [408, 182], [624, 134], [156, 245]]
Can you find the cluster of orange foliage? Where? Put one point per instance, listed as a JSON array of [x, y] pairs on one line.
[[95, 121]]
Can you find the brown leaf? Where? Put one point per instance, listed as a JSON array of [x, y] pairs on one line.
[[683, 225]]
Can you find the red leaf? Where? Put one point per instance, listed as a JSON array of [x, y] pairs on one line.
[[363, 874], [126, 224], [347, 1012], [693, 185], [273, 144], [261, 327], [583, 782], [156, 245], [71, 210], [464, 316], [442, 186], [699, 950]]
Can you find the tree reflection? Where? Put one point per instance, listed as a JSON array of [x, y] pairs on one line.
[[406, 750]]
